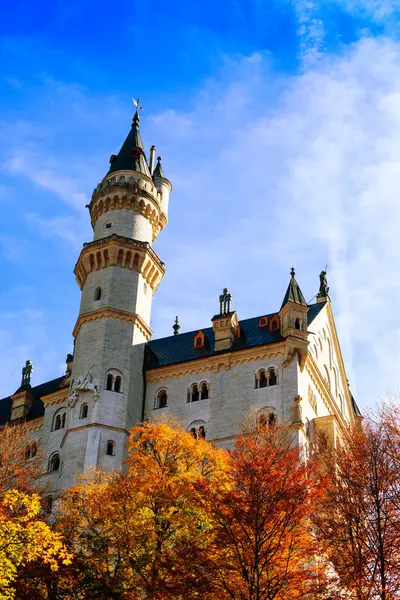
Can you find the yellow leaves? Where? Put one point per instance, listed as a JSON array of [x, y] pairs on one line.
[[25, 538]]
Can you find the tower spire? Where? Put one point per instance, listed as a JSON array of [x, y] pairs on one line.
[[293, 292], [131, 156]]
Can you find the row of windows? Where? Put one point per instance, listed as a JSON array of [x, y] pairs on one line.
[[264, 378], [55, 462]]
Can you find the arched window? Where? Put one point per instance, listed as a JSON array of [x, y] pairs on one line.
[[33, 448], [266, 417], [262, 421], [109, 384], [114, 381], [84, 411], [117, 384], [262, 381], [198, 430], [27, 452], [97, 294], [195, 393], [297, 324], [54, 462], [59, 421], [110, 448], [272, 378], [204, 391], [161, 399]]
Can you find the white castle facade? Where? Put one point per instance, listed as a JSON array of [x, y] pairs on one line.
[[285, 365]]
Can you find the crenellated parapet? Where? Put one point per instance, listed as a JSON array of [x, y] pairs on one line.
[[123, 252]]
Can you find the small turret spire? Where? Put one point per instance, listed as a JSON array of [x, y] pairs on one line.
[[293, 292], [176, 326], [158, 171]]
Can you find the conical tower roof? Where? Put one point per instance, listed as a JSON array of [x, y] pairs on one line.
[[293, 293], [131, 156], [158, 171]]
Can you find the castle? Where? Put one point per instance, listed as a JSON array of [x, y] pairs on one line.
[[286, 365]]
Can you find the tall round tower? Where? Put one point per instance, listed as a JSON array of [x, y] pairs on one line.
[[118, 273]]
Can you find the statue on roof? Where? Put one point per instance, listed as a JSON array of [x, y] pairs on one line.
[[323, 285], [225, 300], [26, 374]]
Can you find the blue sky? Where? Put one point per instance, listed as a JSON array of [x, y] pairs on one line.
[[279, 126]]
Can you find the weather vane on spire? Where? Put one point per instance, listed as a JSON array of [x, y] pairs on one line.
[[137, 104]]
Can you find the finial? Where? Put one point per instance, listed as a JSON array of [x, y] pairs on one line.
[[136, 119], [159, 159], [225, 300], [26, 374], [292, 272], [176, 327]]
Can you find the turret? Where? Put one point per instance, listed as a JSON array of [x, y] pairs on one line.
[[118, 273], [293, 317], [163, 186]]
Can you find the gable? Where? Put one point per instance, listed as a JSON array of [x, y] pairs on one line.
[[325, 351]]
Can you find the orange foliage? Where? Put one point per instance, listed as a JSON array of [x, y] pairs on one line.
[[358, 521], [145, 533], [263, 545]]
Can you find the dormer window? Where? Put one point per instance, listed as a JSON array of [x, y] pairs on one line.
[[263, 322], [199, 340], [274, 323]]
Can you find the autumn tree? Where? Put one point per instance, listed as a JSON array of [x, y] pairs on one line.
[[145, 533], [25, 537], [263, 545], [19, 457], [358, 520]]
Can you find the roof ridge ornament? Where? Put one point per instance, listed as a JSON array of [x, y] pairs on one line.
[[176, 326]]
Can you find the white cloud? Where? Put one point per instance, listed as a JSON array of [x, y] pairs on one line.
[[30, 165], [312, 178]]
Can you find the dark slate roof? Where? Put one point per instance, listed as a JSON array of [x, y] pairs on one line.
[[179, 348], [131, 156], [294, 293], [356, 410], [37, 392]]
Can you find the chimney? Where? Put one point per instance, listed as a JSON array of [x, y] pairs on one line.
[[152, 159]]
